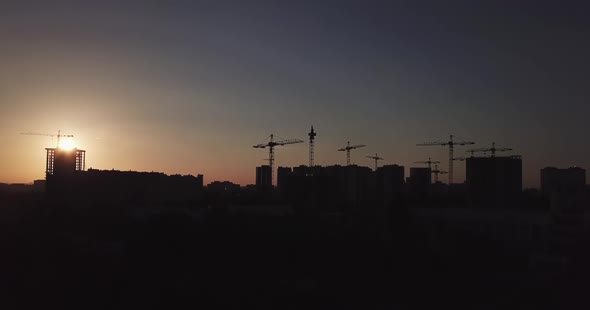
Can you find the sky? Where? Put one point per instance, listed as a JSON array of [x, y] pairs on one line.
[[190, 86]]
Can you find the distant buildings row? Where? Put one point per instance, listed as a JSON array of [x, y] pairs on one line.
[[66, 178], [489, 181]]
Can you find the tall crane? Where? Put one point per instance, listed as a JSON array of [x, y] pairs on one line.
[[436, 172], [492, 150], [58, 135], [311, 135], [451, 144], [349, 147], [271, 148], [429, 162], [375, 158]]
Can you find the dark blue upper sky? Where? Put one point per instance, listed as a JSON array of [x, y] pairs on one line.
[[211, 78]]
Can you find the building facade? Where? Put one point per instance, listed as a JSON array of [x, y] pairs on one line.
[[569, 180], [494, 180]]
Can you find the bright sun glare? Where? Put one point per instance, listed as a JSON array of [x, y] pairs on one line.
[[67, 144]]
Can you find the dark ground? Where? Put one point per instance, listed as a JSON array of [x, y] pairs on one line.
[[110, 258]]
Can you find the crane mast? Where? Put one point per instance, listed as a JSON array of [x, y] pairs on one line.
[[347, 149], [451, 144], [311, 135], [271, 151], [436, 172], [429, 162], [375, 158]]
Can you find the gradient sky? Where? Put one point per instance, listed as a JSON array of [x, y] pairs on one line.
[[189, 86]]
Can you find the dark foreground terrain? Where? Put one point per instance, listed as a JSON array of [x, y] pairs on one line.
[[57, 255]]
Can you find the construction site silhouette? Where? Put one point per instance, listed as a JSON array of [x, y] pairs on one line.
[[322, 236], [368, 154]]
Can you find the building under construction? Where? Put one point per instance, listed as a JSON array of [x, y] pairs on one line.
[[62, 166]]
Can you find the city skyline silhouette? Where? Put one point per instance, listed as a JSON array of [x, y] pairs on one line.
[[195, 78], [464, 152], [337, 154]]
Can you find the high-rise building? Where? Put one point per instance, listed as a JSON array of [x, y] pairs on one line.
[[301, 170], [389, 180], [494, 180], [62, 162], [359, 185], [421, 175], [263, 177], [282, 175], [419, 181], [61, 166], [569, 180]]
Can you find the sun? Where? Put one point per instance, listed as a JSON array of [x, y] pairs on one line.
[[67, 144]]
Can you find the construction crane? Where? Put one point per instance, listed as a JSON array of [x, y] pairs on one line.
[[271, 148], [436, 172], [492, 150], [429, 162], [451, 144], [58, 135], [375, 158], [349, 147], [311, 135]]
